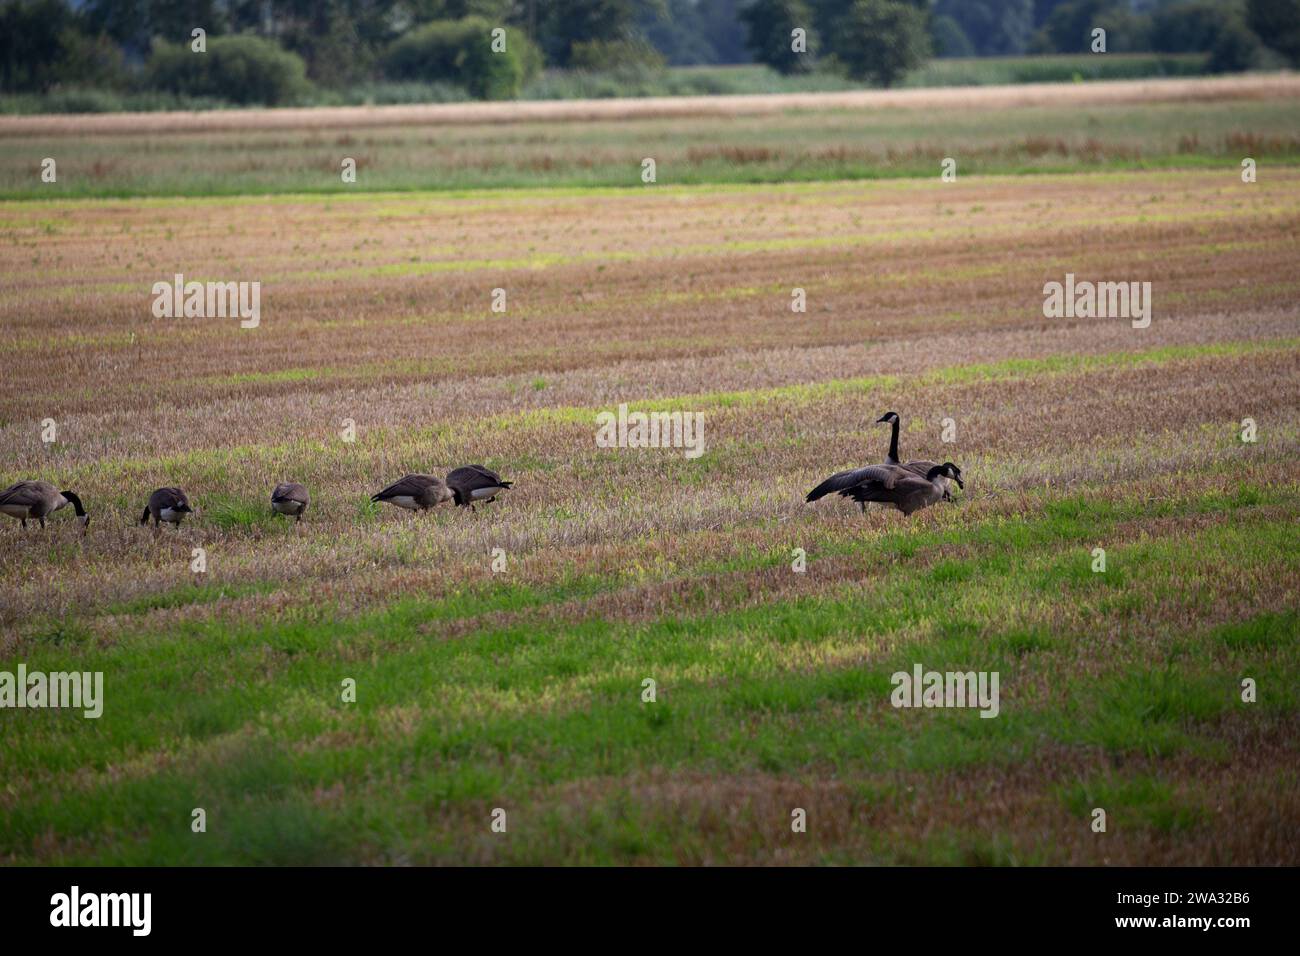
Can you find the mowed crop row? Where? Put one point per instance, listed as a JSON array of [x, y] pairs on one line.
[[522, 689], [398, 289]]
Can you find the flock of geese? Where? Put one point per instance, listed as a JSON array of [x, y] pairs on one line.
[[467, 486], [907, 486]]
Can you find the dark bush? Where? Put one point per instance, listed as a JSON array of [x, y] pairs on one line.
[[460, 51], [1277, 23], [241, 69]]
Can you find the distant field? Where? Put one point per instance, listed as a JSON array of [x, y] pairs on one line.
[[522, 690], [813, 137]]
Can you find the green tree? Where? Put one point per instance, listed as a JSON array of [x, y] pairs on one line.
[[137, 23], [1217, 27], [721, 20], [33, 41], [881, 40], [948, 38], [562, 23], [1043, 9], [1069, 28], [994, 27], [770, 25], [1277, 22], [460, 51], [1235, 47]]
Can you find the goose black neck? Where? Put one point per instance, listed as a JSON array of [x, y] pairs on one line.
[[893, 440], [75, 501]]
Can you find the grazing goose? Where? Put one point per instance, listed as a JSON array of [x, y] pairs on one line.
[[904, 489], [290, 498], [475, 484], [36, 499], [415, 492], [166, 504], [847, 483]]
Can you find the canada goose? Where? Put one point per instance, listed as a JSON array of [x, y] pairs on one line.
[[475, 484], [415, 492], [918, 466], [290, 498], [36, 499], [903, 489], [892, 419], [166, 504], [886, 476]]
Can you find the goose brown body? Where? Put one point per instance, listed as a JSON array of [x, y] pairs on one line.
[[290, 498], [415, 492], [38, 499], [166, 504], [475, 484], [902, 488]]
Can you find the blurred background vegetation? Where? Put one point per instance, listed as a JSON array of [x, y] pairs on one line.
[[106, 55]]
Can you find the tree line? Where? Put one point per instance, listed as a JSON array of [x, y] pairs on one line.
[[881, 40], [272, 51]]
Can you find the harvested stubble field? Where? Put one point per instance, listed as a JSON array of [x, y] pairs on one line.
[[522, 689]]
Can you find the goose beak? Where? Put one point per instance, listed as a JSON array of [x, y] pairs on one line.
[[960, 484]]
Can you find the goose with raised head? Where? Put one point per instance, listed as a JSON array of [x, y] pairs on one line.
[[415, 492], [904, 489], [290, 498], [918, 466], [166, 504], [841, 481], [474, 484], [892, 419], [39, 499]]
